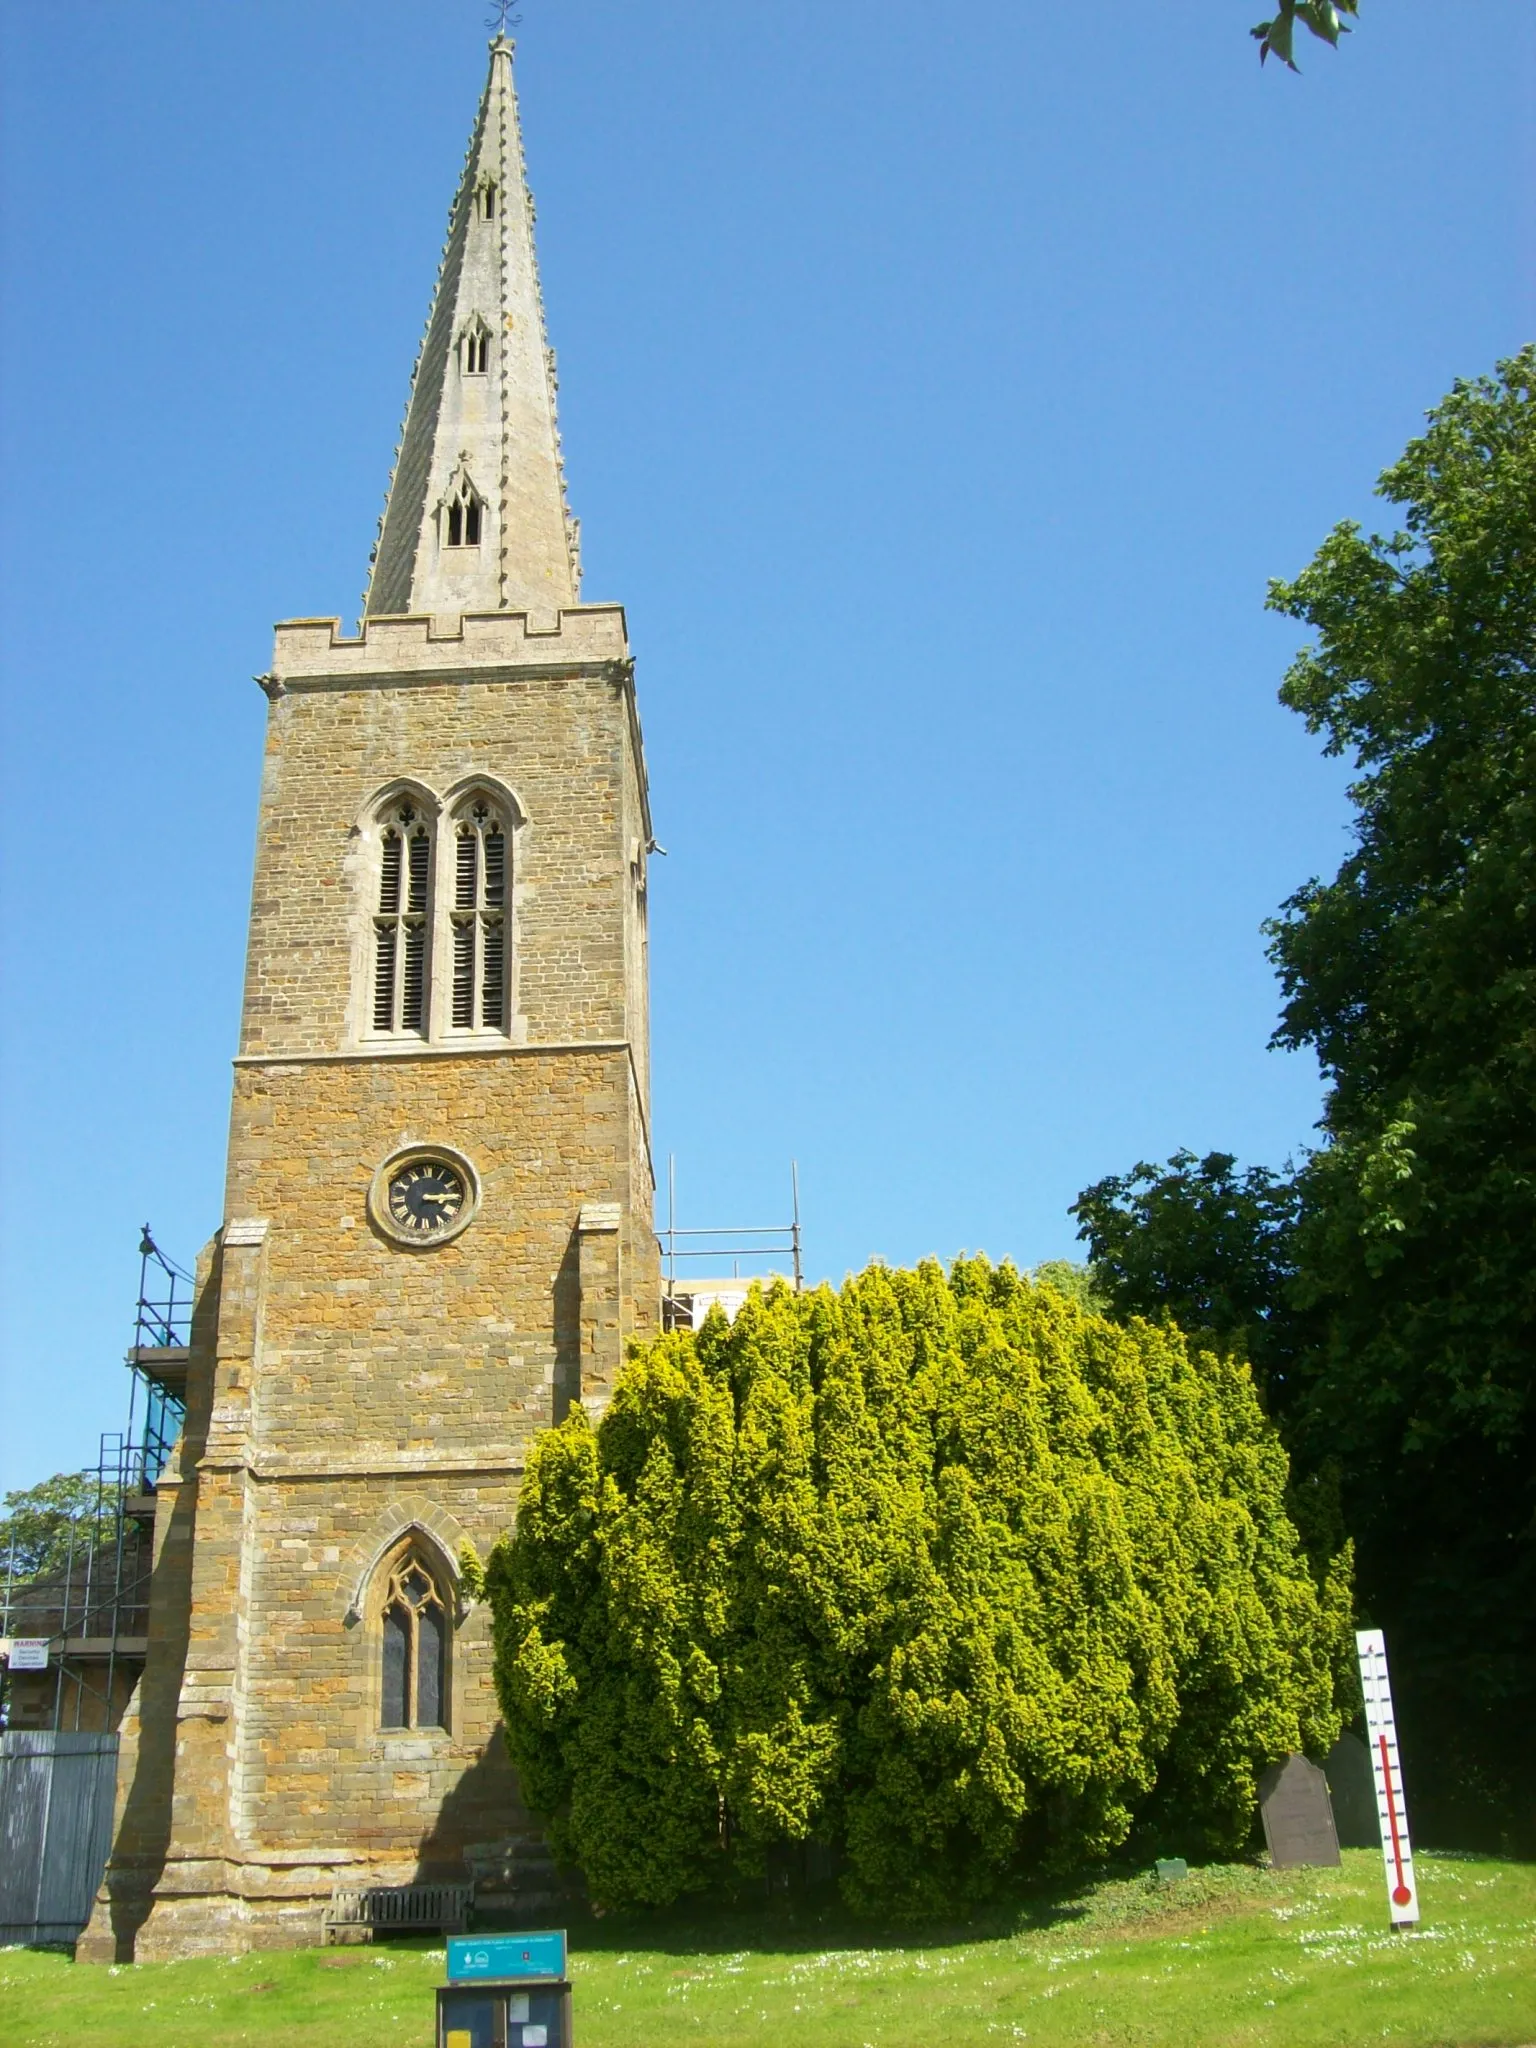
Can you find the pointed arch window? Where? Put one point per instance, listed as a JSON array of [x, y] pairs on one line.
[[401, 923], [462, 516], [474, 351], [413, 1647], [481, 895], [485, 199]]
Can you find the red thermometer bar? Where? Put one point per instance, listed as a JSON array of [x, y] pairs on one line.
[[1396, 1849]]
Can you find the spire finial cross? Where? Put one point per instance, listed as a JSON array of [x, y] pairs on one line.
[[499, 18]]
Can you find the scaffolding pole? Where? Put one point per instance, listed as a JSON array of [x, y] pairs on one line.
[[93, 1614]]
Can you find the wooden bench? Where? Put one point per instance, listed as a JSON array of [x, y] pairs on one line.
[[358, 1913]]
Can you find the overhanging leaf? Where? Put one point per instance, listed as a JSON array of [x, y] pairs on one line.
[[1275, 37]]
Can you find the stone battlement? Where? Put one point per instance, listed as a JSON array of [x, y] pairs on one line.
[[315, 649]]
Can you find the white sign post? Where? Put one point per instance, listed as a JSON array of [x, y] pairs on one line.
[[1396, 1850]]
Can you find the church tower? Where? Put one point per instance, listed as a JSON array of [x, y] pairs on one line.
[[437, 1229]]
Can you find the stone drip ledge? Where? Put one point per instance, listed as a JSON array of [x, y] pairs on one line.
[[447, 1048], [279, 1873], [491, 1461]]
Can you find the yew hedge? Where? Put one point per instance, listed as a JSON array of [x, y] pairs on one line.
[[943, 1571]]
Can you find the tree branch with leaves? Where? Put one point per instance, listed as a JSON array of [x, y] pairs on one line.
[[1276, 38]]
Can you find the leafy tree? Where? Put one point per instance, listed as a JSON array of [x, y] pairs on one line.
[[1206, 1245], [34, 1529], [1214, 1250], [941, 1571], [1073, 1278], [1387, 1292], [1412, 974]]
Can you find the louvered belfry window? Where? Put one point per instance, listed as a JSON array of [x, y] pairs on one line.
[[400, 925], [480, 921], [463, 520]]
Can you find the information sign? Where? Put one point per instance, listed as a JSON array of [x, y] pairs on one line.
[[1381, 1726], [29, 1653], [490, 1958]]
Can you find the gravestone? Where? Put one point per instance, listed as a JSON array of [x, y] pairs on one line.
[[1298, 1818], [1352, 1789]]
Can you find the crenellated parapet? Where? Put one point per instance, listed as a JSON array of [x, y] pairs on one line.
[[319, 651]]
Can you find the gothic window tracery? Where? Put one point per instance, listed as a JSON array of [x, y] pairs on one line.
[[401, 922], [475, 349], [413, 1646], [479, 914]]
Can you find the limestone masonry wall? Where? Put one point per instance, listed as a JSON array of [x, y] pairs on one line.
[[558, 743], [372, 1352]]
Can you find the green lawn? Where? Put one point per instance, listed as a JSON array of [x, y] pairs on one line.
[[1229, 1955]]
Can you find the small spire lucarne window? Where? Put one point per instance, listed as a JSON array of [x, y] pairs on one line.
[[400, 923], [487, 199], [474, 352], [463, 517], [480, 920], [414, 1648]]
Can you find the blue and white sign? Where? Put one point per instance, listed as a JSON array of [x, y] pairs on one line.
[[496, 1958]]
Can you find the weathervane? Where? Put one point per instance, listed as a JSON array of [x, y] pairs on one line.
[[503, 13]]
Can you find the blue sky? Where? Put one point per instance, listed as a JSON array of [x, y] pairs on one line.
[[939, 389]]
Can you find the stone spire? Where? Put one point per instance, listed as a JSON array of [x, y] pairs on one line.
[[476, 519]]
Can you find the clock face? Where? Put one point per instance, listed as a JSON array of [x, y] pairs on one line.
[[426, 1196]]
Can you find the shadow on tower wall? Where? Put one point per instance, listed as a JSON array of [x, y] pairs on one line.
[[567, 1305], [484, 1832]]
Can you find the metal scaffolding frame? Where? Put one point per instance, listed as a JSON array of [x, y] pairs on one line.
[[93, 1613], [728, 1241]]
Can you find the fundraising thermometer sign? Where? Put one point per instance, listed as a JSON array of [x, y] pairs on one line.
[[1396, 1850]]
